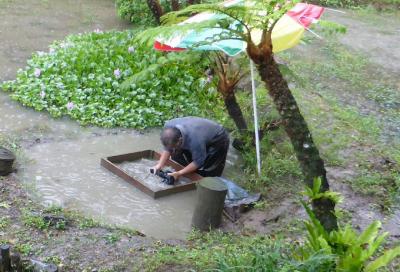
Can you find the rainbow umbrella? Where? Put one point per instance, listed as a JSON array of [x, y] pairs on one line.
[[287, 33]]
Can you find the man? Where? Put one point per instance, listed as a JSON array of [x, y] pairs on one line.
[[198, 144]]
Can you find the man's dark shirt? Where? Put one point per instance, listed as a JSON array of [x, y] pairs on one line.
[[198, 135]]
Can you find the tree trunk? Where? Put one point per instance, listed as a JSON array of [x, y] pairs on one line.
[[156, 9], [235, 112], [6, 161], [175, 5], [296, 128]]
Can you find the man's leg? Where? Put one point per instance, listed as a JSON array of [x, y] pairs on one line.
[[215, 161]]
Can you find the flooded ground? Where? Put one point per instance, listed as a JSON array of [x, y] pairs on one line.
[[68, 173], [62, 159]]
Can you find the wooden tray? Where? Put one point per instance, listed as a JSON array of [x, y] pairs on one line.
[[110, 164]]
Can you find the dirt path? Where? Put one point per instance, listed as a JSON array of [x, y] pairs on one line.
[[375, 35]]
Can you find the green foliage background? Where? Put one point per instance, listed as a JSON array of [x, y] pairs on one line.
[[81, 77]]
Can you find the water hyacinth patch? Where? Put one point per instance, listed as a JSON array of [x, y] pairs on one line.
[[81, 77]]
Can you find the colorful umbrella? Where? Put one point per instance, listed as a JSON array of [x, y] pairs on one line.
[[286, 33]]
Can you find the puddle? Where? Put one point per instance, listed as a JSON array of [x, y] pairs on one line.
[[140, 170], [68, 173]]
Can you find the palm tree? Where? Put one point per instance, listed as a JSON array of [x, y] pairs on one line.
[[263, 15]]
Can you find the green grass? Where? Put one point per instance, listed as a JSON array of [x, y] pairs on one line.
[[4, 223], [333, 85], [216, 251]]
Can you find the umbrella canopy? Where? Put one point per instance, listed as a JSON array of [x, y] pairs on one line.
[[286, 33]]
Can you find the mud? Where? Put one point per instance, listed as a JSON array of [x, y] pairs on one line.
[[63, 158], [377, 35]]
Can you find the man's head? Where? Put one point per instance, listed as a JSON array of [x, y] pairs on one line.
[[171, 138]]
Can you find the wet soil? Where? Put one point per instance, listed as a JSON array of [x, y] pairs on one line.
[[75, 248], [109, 248], [375, 36]]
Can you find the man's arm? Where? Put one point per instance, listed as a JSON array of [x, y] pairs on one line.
[[163, 159], [190, 168]]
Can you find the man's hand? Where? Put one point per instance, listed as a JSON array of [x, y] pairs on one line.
[[176, 175], [155, 169]]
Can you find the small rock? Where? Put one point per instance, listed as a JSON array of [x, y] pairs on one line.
[[54, 219], [39, 266]]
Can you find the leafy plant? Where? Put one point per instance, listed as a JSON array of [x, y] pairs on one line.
[[314, 192], [24, 249], [352, 251], [4, 222], [136, 11], [112, 238], [81, 76], [34, 220]]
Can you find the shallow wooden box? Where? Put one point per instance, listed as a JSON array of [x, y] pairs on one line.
[[110, 164]]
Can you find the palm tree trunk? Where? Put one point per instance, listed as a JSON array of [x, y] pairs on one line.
[[235, 112], [296, 128], [175, 5], [156, 9]]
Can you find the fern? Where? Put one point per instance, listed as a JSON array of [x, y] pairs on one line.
[[383, 260], [352, 251]]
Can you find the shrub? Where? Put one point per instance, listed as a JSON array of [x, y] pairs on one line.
[[138, 12], [81, 76], [135, 11]]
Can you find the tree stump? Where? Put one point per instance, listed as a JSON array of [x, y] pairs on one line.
[[211, 194], [5, 258], [6, 161]]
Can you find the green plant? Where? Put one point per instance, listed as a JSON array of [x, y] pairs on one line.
[[314, 193], [112, 238], [353, 251], [31, 219], [24, 249], [4, 222], [85, 223], [81, 76], [216, 251], [135, 11], [53, 259]]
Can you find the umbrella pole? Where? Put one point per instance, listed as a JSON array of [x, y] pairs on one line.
[[253, 90]]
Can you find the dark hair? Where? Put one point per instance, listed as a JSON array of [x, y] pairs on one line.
[[170, 136]]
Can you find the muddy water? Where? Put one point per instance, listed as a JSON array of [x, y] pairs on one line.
[[27, 26], [139, 169], [68, 173], [63, 159]]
